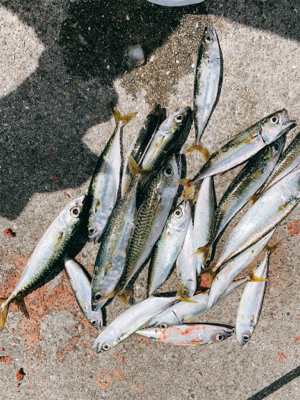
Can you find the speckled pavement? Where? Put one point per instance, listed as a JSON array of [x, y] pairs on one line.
[[61, 67]]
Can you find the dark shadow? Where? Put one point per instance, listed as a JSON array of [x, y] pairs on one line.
[[44, 119], [279, 383]]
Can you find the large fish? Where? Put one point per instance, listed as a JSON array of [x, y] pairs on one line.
[[244, 186], [188, 334], [140, 144], [251, 301], [207, 81], [49, 253], [269, 210], [81, 286], [168, 246], [104, 186], [245, 145], [234, 266]]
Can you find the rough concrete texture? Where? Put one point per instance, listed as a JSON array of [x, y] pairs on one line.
[[61, 67]]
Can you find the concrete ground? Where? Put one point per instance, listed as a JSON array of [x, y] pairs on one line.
[[61, 67]]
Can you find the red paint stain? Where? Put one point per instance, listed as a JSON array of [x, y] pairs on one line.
[[297, 339], [6, 359], [294, 228], [272, 317], [105, 379], [55, 177], [122, 359], [30, 332], [20, 374], [9, 233], [281, 356], [138, 389]]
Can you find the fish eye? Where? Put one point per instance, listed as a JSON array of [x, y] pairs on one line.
[[163, 326], [274, 119], [75, 211], [179, 118], [105, 346], [275, 147], [208, 39], [98, 296], [220, 337], [246, 337], [168, 172], [178, 213], [92, 231], [94, 322]]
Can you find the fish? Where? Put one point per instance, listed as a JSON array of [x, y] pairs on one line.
[[186, 264], [183, 312], [242, 189], [131, 320], [233, 267], [207, 81], [287, 162], [272, 207], [81, 286], [188, 334], [169, 138], [110, 260], [104, 185], [205, 209], [175, 3], [140, 144], [245, 145], [252, 300], [48, 254], [168, 246]]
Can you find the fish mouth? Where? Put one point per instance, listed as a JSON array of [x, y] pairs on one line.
[[286, 120], [155, 109], [211, 31], [184, 111]]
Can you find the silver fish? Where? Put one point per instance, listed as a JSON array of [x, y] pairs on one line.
[[234, 266], [168, 246], [184, 312], [105, 181], [49, 253], [269, 210], [245, 145], [131, 320], [81, 286], [251, 302], [188, 334], [186, 264]]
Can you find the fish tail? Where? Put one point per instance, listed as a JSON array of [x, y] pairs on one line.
[[182, 296], [123, 296], [136, 170], [253, 198], [110, 295], [22, 307], [4, 306], [123, 118], [254, 278], [198, 146], [271, 249], [205, 250], [187, 188]]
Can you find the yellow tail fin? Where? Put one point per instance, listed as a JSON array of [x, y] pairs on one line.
[[198, 146], [271, 249], [136, 170], [254, 278], [254, 198], [182, 297], [3, 314], [124, 118], [110, 295], [205, 250], [123, 297]]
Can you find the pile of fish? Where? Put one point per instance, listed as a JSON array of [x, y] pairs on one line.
[[142, 218]]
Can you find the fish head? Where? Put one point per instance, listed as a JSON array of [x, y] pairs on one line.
[[181, 216], [96, 226], [96, 318], [211, 42], [73, 213], [275, 125], [277, 146], [222, 333], [243, 334], [175, 123], [106, 340], [169, 176]]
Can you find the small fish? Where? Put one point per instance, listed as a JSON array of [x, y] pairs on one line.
[[188, 334], [287, 162], [186, 264], [234, 266], [272, 207], [81, 286], [175, 3], [205, 209], [140, 143], [242, 188], [48, 254], [169, 138], [252, 300], [184, 312], [245, 145], [168, 246], [207, 81], [133, 319], [105, 181]]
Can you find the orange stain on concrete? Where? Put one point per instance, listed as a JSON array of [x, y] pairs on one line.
[[30, 332], [20, 374], [138, 389], [6, 359], [297, 339], [281, 356], [294, 228], [62, 353], [105, 379]]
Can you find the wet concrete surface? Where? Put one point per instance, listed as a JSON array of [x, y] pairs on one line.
[[56, 91]]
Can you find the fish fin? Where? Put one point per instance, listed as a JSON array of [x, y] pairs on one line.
[[3, 314], [187, 188], [124, 118], [22, 307], [205, 250], [198, 146], [123, 296], [110, 295], [58, 239], [97, 205], [271, 249], [250, 139], [136, 170], [182, 297], [253, 198], [254, 278]]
